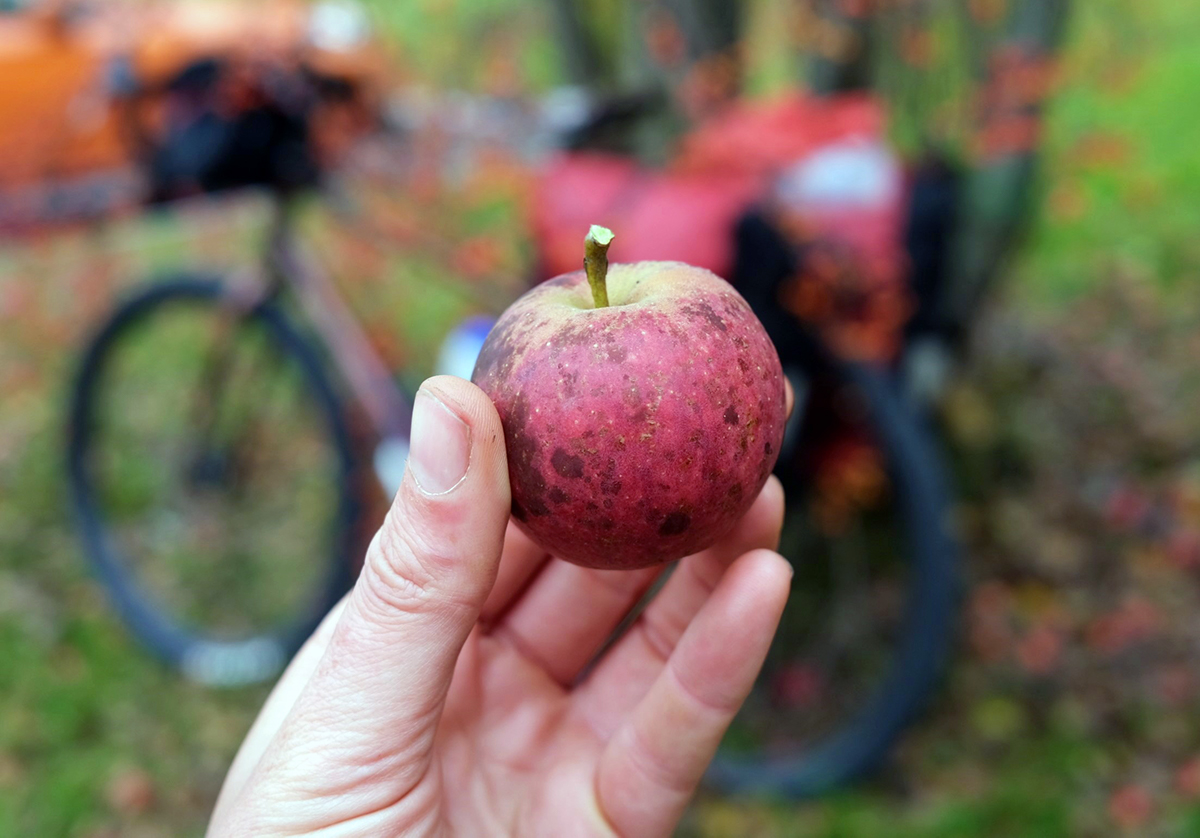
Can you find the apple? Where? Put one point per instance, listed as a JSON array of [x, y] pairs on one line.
[[642, 406]]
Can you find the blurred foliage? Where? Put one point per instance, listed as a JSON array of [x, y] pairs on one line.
[[1122, 166], [1076, 441]]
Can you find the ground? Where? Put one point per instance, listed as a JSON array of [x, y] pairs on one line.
[[1069, 707]]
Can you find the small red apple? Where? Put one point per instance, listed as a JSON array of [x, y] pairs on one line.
[[641, 419]]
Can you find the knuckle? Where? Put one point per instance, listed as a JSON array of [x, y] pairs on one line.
[[706, 576], [707, 701], [403, 575], [657, 767], [389, 593], [661, 632]]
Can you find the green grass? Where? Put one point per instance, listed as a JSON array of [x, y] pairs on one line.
[[1128, 83], [83, 709]]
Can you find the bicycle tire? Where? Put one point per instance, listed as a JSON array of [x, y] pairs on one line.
[[862, 743], [207, 659]]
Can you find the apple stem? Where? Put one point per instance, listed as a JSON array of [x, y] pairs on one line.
[[595, 262]]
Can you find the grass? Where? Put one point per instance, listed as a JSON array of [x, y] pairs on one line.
[[96, 739], [1123, 174]]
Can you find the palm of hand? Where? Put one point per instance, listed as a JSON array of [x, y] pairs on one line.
[[514, 755]]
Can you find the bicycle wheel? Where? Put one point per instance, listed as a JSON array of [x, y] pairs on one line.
[[867, 629], [210, 470]]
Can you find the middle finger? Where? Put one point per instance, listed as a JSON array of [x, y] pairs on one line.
[[568, 611]]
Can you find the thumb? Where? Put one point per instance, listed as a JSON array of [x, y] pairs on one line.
[[376, 696], [433, 562]]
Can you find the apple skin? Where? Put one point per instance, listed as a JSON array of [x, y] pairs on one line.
[[637, 433]]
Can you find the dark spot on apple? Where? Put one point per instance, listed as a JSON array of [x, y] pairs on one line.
[[735, 491], [607, 503], [557, 495], [675, 523], [607, 523], [734, 304], [703, 311], [567, 465], [768, 449], [532, 506], [610, 487], [617, 353], [523, 451], [677, 334], [731, 415], [743, 365], [590, 506], [568, 382]]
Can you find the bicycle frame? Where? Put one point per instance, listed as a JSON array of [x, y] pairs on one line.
[[370, 380], [287, 267]]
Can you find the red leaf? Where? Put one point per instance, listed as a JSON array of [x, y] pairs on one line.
[[1131, 806]]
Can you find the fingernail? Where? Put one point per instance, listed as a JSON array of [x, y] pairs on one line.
[[440, 446]]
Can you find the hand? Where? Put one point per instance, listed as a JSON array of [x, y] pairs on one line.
[[447, 691]]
